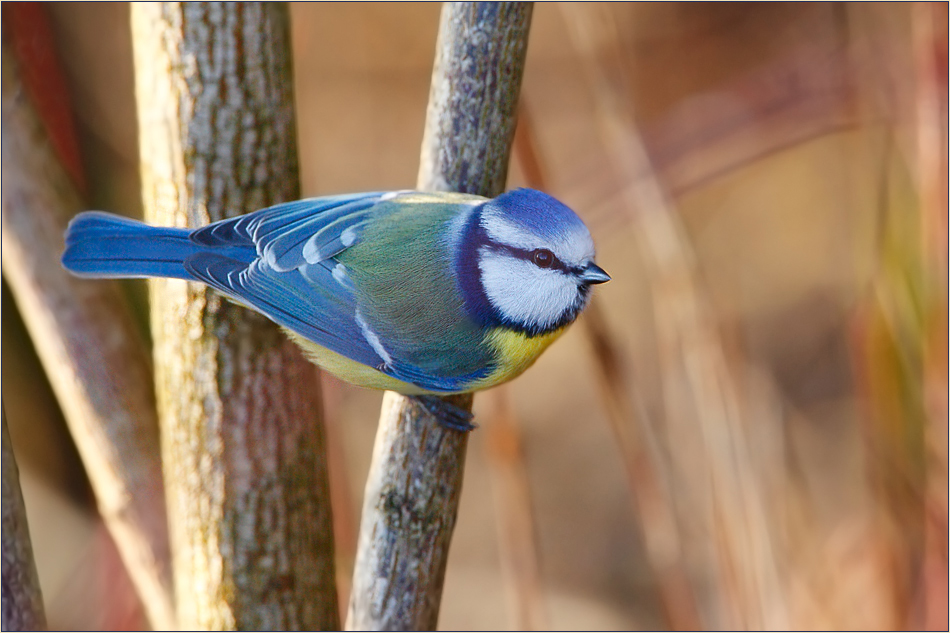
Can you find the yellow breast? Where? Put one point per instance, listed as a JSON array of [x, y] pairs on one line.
[[513, 352]]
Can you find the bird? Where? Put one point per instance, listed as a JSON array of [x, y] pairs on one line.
[[423, 293]]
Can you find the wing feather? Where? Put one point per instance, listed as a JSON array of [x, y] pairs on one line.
[[289, 300], [298, 282], [281, 239]]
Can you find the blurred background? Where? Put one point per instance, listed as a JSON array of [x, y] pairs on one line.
[[747, 429]]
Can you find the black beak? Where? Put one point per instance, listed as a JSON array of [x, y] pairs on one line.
[[594, 274]]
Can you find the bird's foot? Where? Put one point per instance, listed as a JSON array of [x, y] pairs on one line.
[[448, 414]]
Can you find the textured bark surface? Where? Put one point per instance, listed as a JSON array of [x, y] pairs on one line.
[[409, 510], [22, 600], [470, 120], [90, 348], [239, 405], [415, 478]]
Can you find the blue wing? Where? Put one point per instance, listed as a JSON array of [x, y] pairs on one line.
[[310, 307], [290, 235], [300, 301], [297, 282]]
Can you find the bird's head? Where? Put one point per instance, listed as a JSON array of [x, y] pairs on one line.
[[526, 261]]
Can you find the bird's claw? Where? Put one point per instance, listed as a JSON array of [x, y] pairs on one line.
[[447, 414]]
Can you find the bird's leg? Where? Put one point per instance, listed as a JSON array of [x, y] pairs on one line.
[[449, 415]]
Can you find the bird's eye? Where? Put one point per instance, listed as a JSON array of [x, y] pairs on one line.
[[543, 258]]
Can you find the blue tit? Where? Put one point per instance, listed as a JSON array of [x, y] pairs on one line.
[[425, 294]]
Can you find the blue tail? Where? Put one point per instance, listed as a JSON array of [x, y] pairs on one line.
[[105, 245]]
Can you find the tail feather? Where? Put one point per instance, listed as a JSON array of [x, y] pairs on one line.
[[102, 245]]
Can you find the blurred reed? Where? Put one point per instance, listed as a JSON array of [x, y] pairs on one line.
[[659, 530], [742, 514], [929, 29], [517, 538], [899, 331], [721, 450]]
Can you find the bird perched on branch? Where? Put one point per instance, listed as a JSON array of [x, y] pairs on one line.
[[425, 294]]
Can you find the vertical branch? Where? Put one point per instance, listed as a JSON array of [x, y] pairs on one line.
[[415, 478], [93, 354], [243, 442], [22, 600]]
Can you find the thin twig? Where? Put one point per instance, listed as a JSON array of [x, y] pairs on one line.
[[517, 540], [22, 599], [415, 479], [344, 515]]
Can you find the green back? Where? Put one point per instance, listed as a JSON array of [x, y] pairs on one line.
[[403, 269]]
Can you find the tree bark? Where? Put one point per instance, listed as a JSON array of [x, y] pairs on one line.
[[415, 478], [90, 347], [473, 100], [22, 599], [239, 406]]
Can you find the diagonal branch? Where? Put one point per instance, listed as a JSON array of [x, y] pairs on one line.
[[22, 599], [415, 479]]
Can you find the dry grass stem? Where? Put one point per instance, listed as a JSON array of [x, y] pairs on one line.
[[722, 507], [659, 530], [517, 540], [344, 517]]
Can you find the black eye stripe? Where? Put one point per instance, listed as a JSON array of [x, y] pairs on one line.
[[529, 256]]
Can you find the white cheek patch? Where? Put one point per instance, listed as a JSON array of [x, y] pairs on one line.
[[524, 293]]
